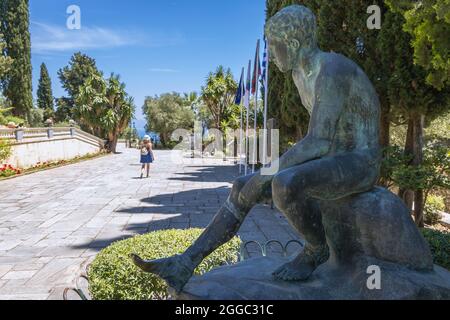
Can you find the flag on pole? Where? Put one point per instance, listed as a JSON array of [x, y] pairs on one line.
[[265, 64], [256, 70], [248, 86], [240, 90]]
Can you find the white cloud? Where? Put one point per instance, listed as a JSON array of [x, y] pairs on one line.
[[47, 38]]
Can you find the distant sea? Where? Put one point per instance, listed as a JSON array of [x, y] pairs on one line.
[[141, 132]]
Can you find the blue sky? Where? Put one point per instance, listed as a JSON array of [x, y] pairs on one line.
[[156, 46]]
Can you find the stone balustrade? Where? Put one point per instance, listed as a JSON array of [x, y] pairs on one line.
[[38, 145]]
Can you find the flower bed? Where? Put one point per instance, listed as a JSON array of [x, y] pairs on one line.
[[49, 164], [7, 170]]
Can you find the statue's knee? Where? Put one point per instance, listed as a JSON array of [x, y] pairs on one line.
[[284, 190], [281, 191], [244, 202], [238, 185]]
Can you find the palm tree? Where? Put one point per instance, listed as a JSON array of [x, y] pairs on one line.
[[218, 94], [104, 106]]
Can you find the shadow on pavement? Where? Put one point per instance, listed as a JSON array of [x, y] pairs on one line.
[[208, 174], [180, 209]]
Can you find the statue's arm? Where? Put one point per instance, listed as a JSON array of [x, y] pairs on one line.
[[322, 129]]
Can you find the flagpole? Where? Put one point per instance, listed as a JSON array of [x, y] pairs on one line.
[[255, 141], [256, 89], [247, 107], [242, 122], [266, 101]]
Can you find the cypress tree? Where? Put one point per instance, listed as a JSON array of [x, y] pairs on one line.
[[14, 17], [44, 93], [5, 61]]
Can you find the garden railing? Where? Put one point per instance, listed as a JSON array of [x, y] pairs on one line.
[[25, 135]]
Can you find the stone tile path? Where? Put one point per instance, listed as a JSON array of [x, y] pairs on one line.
[[53, 221]]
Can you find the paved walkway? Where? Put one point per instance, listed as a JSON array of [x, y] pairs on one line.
[[53, 221]]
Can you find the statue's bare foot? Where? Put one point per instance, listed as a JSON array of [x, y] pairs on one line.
[[176, 270], [303, 266]]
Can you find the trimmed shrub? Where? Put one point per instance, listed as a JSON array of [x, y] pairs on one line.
[[113, 276], [439, 242], [5, 150], [36, 118], [433, 208], [16, 120]]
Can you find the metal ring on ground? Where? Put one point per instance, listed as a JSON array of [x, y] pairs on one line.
[[77, 291], [243, 249], [268, 243], [290, 242]]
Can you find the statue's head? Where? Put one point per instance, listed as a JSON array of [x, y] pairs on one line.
[[290, 30]]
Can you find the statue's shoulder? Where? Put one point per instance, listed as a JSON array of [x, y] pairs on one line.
[[337, 65], [346, 74], [337, 68]]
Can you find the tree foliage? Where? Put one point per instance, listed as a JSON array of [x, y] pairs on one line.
[[413, 101], [433, 173], [218, 94], [81, 67], [104, 105], [14, 17], [428, 23], [5, 150], [44, 92], [5, 61], [407, 89], [167, 113]]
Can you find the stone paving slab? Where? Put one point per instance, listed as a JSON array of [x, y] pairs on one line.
[[52, 222]]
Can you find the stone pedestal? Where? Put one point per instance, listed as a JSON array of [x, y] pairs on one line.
[[252, 280]]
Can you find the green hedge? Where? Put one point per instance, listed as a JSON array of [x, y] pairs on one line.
[[113, 276], [433, 208], [440, 246]]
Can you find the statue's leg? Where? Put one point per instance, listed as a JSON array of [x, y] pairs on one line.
[[296, 193], [304, 215], [177, 270]]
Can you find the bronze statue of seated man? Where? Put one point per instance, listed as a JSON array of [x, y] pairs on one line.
[[339, 157]]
